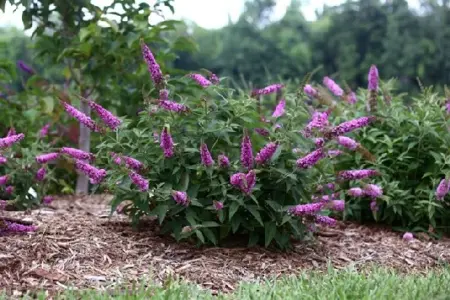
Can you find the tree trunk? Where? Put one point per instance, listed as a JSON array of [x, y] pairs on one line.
[[84, 143]]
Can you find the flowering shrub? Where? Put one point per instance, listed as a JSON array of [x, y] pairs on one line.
[[208, 165], [409, 148]]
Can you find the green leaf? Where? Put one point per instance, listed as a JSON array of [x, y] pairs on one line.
[[270, 229], [235, 223], [210, 235], [254, 211], [210, 224], [200, 236], [253, 239], [161, 212], [233, 209], [184, 182], [49, 104]]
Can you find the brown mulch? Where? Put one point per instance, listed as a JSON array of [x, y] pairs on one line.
[[78, 246]]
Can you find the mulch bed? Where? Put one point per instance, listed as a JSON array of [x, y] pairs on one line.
[[78, 246]]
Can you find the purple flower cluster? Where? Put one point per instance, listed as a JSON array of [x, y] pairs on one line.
[[319, 121], [279, 109], [442, 189], [224, 161], [325, 198], [351, 125], [306, 209], [205, 155], [4, 179], [218, 205], [45, 158], [132, 163], [201, 80], [358, 174], [44, 131], [337, 205], [47, 199], [268, 89], [9, 190], [107, 117], [164, 94], [351, 98], [11, 139], [325, 220], [333, 86], [40, 174], [95, 175], [262, 131], [153, 66], [77, 153], [180, 198], [245, 182], [266, 153], [373, 78], [25, 67], [310, 91], [246, 152], [140, 181], [173, 106], [17, 228], [167, 143], [334, 153], [355, 192], [213, 78], [373, 191], [3, 160], [319, 142], [347, 142], [310, 159], [81, 117]]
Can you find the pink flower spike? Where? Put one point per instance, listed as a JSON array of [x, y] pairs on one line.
[[4, 179], [77, 153], [3, 160], [310, 159], [279, 109], [351, 98], [347, 142], [355, 192], [306, 209], [167, 143], [246, 152], [81, 117], [373, 78], [333, 87], [310, 91], [224, 162], [10, 140], [44, 131], [173, 106], [325, 220], [180, 198], [152, 65], [45, 158], [95, 175], [268, 90], [442, 189], [107, 117], [351, 125], [337, 205], [266, 153], [357, 174], [205, 156], [140, 181], [201, 80], [373, 191], [9, 190], [40, 174]]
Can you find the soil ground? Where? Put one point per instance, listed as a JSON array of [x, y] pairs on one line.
[[79, 246]]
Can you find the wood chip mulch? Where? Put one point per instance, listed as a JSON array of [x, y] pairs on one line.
[[78, 246]]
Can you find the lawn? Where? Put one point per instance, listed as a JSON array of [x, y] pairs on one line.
[[333, 284]]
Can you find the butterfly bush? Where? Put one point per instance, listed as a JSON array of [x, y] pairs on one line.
[[221, 164], [26, 172]]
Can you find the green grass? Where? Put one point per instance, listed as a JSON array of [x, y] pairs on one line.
[[346, 284]]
